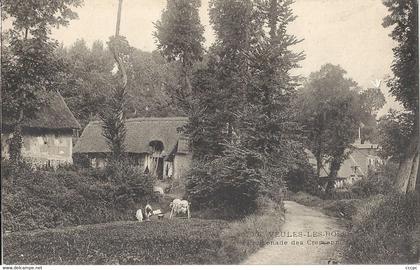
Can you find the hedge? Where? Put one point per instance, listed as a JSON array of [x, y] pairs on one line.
[[36, 199]]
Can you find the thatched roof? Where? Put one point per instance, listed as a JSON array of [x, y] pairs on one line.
[[140, 132], [55, 115]]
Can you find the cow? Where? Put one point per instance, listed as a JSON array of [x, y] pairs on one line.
[[179, 207]]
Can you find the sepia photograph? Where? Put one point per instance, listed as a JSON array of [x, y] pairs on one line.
[[209, 132]]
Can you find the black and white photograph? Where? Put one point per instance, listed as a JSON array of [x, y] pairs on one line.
[[209, 132]]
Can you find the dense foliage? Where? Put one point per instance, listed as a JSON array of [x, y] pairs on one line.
[[179, 37], [242, 131], [382, 231], [89, 72], [46, 199]]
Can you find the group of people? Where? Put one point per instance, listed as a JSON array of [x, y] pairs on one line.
[[177, 206]]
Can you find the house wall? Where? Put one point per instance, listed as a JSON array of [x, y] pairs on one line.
[[48, 148], [179, 167], [182, 164]]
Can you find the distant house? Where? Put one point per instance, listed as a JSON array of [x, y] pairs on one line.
[[154, 144], [47, 136], [363, 158]]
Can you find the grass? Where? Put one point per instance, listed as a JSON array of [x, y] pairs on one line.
[[159, 242], [344, 208], [383, 231], [243, 238], [176, 241]]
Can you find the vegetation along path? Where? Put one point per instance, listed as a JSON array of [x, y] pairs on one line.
[[307, 237]]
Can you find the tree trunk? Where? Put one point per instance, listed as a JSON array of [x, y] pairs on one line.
[[318, 165], [409, 164], [408, 169]]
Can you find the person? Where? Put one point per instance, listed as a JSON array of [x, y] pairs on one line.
[[148, 211]]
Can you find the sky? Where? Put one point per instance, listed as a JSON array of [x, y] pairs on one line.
[[344, 32]]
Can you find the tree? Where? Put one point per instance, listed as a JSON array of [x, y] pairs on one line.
[[113, 117], [330, 115], [403, 19], [30, 68], [88, 79], [245, 96], [395, 131], [265, 125], [371, 100], [179, 36]]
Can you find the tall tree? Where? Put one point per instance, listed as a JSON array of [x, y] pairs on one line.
[[330, 115], [179, 36], [219, 85], [403, 19], [266, 125], [245, 92], [30, 67], [113, 117]]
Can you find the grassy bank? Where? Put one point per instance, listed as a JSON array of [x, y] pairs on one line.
[[344, 208], [243, 238], [176, 241], [382, 229], [158, 242]]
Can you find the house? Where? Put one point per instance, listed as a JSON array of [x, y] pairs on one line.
[[362, 158], [47, 136], [154, 144]]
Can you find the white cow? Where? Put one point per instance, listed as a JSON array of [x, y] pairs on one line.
[[139, 215], [179, 207]]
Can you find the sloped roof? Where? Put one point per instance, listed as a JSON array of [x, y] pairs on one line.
[[55, 115], [140, 132]]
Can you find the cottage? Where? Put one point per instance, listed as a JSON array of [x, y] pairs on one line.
[[362, 158], [47, 136], [154, 144]]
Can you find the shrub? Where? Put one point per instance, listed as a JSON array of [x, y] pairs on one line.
[[376, 182], [302, 179], [224, 183], [381, 231], [36, 199], [234, 182]]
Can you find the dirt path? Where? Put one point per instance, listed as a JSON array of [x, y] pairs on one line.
[[311, 236]]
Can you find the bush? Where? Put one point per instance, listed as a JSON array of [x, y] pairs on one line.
[[376, 182], [381, 231], [234, 183], [35, 199], [224, 183], [302, 179]]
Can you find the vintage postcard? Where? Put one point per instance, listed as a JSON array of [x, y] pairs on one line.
[[209, 132]]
